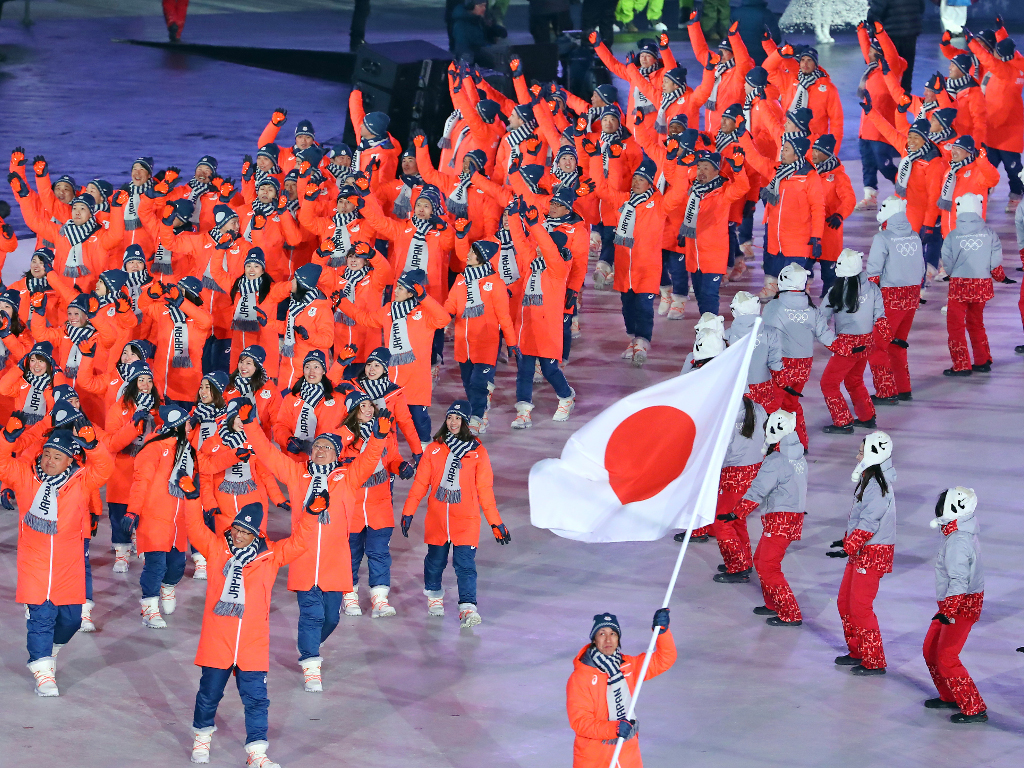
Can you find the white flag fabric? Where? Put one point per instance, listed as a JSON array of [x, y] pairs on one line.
[[650, 462]]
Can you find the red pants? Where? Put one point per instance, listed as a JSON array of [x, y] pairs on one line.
[[733, 537], [704, 530], [849, 371], [765, 394], [795, 373], [174, 13], [856, 610], [1020, 302], [942, 646], [768, 561], [889, 368], [961, 315]]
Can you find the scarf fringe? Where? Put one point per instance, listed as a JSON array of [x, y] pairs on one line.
[[402, 209], [901, 191], [474, 311], [49, 527], [377, 478], [444, 143], [130, 450], [76, 271], [402, 358], [248, 326], [160, 268], [223, 608], [132, 224], [71, 372], [341, 317], [449, 495], [324, 518], [944, 205], [237, 488], [336, 261], [210, 283], [533, 300], [181, 362], [287, 350], [28, 419], [624, 241], [457, 209]]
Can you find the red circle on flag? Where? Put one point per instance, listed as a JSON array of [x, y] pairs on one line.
[[647, 451]]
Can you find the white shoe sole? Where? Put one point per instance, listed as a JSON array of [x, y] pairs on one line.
[[522, 425], [120, 568], [87, 627], [471, 621], [383, 614], [47, 695], [202, 759], [353, 611], [312, 688], [150, 625], [435, 614]]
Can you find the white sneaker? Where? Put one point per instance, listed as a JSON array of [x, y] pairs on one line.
[[603, 275], [200, 563], [575, 332], [257, 756], [468, 615], [523, 420], [476, 425], [666, 300], [739, 268], [1011, 205], [941, 274], [944, 309], [45, 673], [677, 311], [201, 743], [435, 372], [869, 202], [630, 351], [660, 27], [380, 607], [435, 602], [565, 406], [168, 600], [350, 602], [312, 682], [640, 356], [747, 249], [151, 614], [121, 555], [771, 288], [538, 376], [88, 625]]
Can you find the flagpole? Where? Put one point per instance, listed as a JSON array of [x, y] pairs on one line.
[[741, 385]]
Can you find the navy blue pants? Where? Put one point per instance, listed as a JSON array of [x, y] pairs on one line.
[[524, 377], [877, 157], [421, 418], [464, 562], [828, 273], [1012, 165], [932, 246], [706, 287], [475, 378], [216, 355], [49, 624], [745, 234], [88, 572], [319, 614], [607, 232], [252, 689], [638, 313], [161, 568], [673, 272], [116, 514], [774, 264], [376, 545]]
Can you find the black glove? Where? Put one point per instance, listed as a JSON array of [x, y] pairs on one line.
[[294, 445], [792, 391], [7, 500], [383, 423], [865, 103], [836, 552], [626, 728], [187, 485], [942, 618], [815, 243], [835, 221], [13, 429], [660, 620], [129, 523], [17, 184], [208, 518], [261, 317], [242, 453], [728, 516], [858, 349], [302, 333], [900, 343], [406, 471], [416, 459], [570, 298], [406, 524], [513, 352], [501, 534], [140, 416], [8, 230], [285, 505], [248, 167]]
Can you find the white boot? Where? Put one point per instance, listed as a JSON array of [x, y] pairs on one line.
[[121, 554], [771, 288], [45, 673], [523, 419], [380, 607], [663, 305], [200, 563], [201, 743], [311, 680], [678, 309], [468, 615], [565, 406], [630, 351], [538, 375], [603, 275], [257, 751], [870, 201], [56, 648], [476, 425], [151, 614], [168, 600], [640, 356], [739, 268], [435, 602], [350, 602], [747, 249], [1011, 204], [574, 330], [88, 625]]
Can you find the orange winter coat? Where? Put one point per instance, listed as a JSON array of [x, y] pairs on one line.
[[330, 412], [484, 213], [227, 641], [53, 567], [369, 294], [800, 212], [121, 431], [214, 461], [268, 403], [586, 701], [638, 268], [840, 198], [323, 227], [539, 326], [373, 504], [96, 251], [971, 114], [326, 562], [822, 97], [278, 231], [1005, 106], [730, 89], [388, 156], [426, 318], [483, 136], [177, 383], [458, 523], [977, 177], [882, 101], [394, 400], [476, 338], [14, 386], [286, 155], [161, 515], [318, 320]]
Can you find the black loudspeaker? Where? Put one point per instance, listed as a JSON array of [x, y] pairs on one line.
[[405, 79], [540, 61]]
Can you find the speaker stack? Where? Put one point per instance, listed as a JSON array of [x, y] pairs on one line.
[[406, 80]]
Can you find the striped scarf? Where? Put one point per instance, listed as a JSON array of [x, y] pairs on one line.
[[376, 389], [688, 229], [804, 82], [232, 597], [533, 296], [720, 69], [380, 474], [445, 142], [928, 151], [627, 218], [238, 477], [474, 299], [77, 336], [399, 341], [458, 200], [945, 201], [37, 284], [42, 515], [341, 238], [449, 490], [956, 84], [418, 255], [295, 308], [827, 166], [668, 98], [770, 194], [508, 267], [352, 278], [402, 208], [197, 189], [35, 401], [245, 317], [131, 211], [179, 337], [318, 474]]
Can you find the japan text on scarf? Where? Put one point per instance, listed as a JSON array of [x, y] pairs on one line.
[[232, 596], [450, 489], [627, 217]]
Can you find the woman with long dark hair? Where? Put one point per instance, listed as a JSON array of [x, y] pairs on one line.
[[376, 382], [312, 407], [869, 543], [251, 381]]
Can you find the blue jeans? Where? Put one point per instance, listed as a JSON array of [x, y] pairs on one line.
[[116, 514], [1012, 165], [88, 572], [607, 232], [161, 568], [376, 544], [48, 624], [252, 689], [524, 377], [706, 287], [475, 377], [638, 313], [877, 157], [828, 273], [746, 230], [673, 272], [421, 418], [319, 614], [464, 562]]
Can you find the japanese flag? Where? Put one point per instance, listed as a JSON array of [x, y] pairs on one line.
[[650, 463]]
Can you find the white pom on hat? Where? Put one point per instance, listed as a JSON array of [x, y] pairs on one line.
[[850, 263], [793, 277], [744, 303]]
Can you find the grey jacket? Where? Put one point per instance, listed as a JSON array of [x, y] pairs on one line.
[[870, 309], [1018, 221], [972, 249], [896, 254], [876, 513], [744, 451], [767, 356], [958, 568], [781, 482], [797, 321]]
